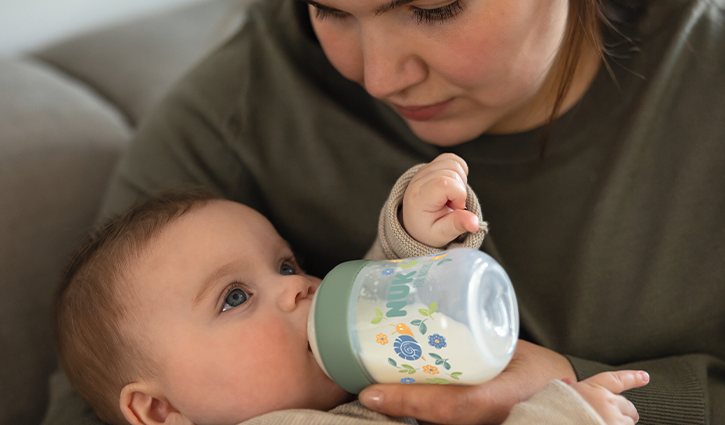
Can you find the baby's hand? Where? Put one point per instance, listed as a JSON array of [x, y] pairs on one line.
[[434, 205], [601, 391]]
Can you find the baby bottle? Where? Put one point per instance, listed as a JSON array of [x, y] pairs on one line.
[[448, 318]]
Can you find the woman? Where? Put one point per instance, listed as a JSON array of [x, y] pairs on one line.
[[594, 135]]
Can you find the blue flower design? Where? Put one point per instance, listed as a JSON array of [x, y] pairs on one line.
[[437, 341], [407, 381], [387, 272]]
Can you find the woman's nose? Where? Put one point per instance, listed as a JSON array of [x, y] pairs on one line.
[[391, 62], [295, 289]]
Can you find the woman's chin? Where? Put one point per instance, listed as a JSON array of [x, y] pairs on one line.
[[450, 130], [441, 134]]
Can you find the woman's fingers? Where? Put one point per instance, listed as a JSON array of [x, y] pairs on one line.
[[433, 403], [489, 403]]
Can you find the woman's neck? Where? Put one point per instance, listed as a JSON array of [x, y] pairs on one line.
[[537, 112]]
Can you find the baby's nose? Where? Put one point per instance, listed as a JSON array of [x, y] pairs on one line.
[[296, 289]]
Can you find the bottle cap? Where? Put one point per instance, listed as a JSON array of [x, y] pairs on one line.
[[328, 329]]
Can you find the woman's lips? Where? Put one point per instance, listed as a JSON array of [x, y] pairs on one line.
[[423, 113]]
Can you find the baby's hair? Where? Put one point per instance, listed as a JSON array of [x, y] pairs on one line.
[[91, 321]]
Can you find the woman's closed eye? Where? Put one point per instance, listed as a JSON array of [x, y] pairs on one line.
[[235, 297], [439, 14]]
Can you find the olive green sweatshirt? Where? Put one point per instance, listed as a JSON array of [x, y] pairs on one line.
[[614, 239]]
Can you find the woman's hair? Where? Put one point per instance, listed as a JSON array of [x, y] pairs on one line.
[[587, 22], [94, 327]]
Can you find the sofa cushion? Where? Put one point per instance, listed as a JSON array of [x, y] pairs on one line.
[[133, 63], [58, 144]]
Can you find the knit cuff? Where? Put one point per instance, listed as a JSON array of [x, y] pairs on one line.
[[397, 243]]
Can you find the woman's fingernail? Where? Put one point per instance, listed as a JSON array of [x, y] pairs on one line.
[[645, 376], [372, 399]]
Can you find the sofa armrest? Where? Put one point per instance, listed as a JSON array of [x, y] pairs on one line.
[[66, 114], [58, 143], [133, 64]]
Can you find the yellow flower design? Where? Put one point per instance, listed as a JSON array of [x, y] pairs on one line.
[[432, 370], [382, 339]]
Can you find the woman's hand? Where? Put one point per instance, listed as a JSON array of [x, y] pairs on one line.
[[434, 205], [528, 372], [602, 390]]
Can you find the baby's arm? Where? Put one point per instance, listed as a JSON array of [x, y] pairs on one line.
[[437, 226], [593, 401], [434, 206]]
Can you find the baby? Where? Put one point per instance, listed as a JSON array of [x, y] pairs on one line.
[[192, 309]]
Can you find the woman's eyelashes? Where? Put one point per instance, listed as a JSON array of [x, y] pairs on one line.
[[440, 14], [324, 12], [235, 297], [421, 15]]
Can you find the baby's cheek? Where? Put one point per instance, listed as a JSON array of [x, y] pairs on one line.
[[283, 369]]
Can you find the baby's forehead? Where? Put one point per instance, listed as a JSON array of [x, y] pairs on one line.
[[207, 234], [224, 209], [212, 215]]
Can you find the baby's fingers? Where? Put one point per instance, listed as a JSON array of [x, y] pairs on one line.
[[452, 225], [627, 409], [619, 381], [449, 161]]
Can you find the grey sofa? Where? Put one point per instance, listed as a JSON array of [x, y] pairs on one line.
[[66, 113]]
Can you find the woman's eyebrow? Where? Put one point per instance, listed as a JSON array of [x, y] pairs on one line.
[[387, 7], [319, 6]]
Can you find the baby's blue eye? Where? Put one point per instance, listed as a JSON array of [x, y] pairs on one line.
[[287, 270], [235, 298]]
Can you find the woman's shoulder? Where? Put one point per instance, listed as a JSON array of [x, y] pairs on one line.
[[673, 42], [673, 16], [265, 51]]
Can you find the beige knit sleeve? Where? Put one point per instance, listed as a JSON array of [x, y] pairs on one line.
[[394, 242], [556, 404], [352, 413]]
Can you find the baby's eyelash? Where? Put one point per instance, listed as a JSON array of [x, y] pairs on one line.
[[440, 14], [295, 261]]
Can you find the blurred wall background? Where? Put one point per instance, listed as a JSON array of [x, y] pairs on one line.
[[29, 24]]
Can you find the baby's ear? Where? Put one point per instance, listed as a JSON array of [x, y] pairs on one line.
[[141, 405]]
